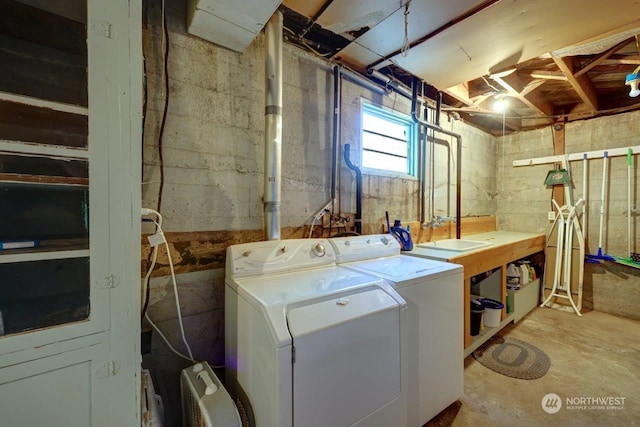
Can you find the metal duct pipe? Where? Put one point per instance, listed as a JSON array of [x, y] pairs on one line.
[[273, 127], [437, 128]]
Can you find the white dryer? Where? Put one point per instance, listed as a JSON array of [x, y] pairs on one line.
[[433, 291], [309, 343]]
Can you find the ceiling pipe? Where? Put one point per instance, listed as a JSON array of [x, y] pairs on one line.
[[362, 81], [388, 82], [273, 127], [437, 128], [335, 144]]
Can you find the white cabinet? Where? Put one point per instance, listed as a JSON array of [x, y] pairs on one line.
[[70, 155]]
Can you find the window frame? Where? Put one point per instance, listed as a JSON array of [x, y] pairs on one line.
[[396, 117]]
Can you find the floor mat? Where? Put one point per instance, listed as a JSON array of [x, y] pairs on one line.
[[513, 358]]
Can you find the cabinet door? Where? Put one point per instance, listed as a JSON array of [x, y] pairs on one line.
[[70, 154], [58, 390], [50, 289]]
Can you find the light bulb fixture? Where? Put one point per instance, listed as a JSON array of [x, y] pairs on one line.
[[500, 104], [632, 80]]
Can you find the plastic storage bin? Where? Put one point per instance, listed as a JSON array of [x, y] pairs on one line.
[[476, 317], [493, 311]]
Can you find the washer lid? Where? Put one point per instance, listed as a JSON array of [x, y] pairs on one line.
[[311, 317], [272, 294], [402, 269]]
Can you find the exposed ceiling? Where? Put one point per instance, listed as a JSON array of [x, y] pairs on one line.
[[553, 60]]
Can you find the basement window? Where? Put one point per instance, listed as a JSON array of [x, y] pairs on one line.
[[389, 142]]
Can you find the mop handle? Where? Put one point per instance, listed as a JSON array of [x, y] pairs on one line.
[[584, 192], [604, 185]]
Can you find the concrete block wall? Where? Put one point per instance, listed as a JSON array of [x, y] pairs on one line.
[[523, 201]]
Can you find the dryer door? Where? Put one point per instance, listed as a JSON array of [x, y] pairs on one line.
[[347, 358]]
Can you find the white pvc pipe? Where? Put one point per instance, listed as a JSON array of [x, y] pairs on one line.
[[602, 201], [585, 229], [273, 126]]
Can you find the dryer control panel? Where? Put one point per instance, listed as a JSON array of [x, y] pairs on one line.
[[358, 248], [278, 256]]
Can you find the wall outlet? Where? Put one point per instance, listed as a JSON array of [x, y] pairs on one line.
[[551, 215]]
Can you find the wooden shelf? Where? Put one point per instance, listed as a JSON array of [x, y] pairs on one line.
[[42, 126], [41, 179], [16, 98], [485, 335], [513, 247], [41, 254]]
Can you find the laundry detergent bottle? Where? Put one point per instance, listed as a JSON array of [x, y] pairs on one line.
[[403, 236]]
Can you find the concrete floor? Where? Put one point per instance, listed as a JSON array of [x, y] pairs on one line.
[[593, 356]]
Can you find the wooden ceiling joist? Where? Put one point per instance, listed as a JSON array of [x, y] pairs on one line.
[[582, 85], [547, 75], [479, 104], [513, 84], [604, 55]]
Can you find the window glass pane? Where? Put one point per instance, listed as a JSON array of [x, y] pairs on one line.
[[34, 168], [48, 215], [384, 126], [384, 162], [387, 140], [37, 294], [386, 145], [27, 123], [44, 55]]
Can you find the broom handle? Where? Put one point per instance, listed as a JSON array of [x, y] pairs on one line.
[[604, 184]]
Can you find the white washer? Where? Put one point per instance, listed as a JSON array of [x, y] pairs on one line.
[[309, 343], [433, 291]]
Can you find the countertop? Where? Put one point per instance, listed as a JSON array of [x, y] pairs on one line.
[[499, 239]]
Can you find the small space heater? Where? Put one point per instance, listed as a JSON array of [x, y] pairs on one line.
[[205, 402]]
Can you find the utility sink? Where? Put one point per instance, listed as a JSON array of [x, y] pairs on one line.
[[458, 245]]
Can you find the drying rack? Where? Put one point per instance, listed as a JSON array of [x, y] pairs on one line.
[[566, 227]]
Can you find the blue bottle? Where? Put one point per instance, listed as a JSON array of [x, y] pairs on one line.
[[403, 236]]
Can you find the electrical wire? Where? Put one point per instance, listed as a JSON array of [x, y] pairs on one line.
[[164, 77], [404, 51], [166, 341], [153, 256], [165, 109], [307, 45], [174, 283]]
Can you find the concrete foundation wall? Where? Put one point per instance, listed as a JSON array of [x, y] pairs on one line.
[[523, 200], [212, 150]]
